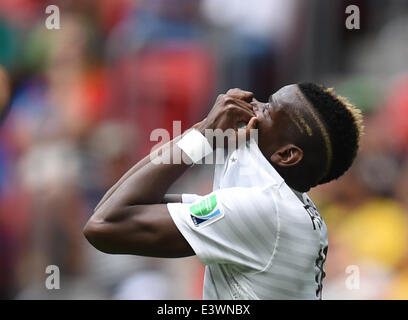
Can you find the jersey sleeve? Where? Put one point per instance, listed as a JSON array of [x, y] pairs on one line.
[[230, 226], [190, 197]]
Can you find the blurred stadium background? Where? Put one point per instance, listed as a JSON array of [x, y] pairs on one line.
[[85, 98]]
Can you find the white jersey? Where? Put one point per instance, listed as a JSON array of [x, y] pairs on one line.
[[258, 238]]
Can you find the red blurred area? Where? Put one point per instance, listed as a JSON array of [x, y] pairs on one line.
[[159, 85]]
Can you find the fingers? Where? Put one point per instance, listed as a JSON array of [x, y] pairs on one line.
[[240, 116], [241, 113], [252, 124], [228, 101], [240, 94], [228, 111], [243, 104]]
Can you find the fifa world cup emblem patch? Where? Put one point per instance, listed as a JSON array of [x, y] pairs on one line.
[[205, 212]]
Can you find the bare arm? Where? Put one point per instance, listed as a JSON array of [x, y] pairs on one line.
[[171, 198], [132, 219], [136, 167], [154, 154]]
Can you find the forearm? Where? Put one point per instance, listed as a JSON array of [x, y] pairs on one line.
[[146, 185], [153, 155], [168, 198], [131, 217]]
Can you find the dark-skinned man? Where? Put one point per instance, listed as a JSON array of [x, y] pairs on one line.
[[258, 233]]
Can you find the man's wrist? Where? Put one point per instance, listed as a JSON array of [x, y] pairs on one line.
[[195, 145], [201, 126]]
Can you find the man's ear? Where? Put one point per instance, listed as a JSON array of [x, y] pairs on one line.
[[287, 156]]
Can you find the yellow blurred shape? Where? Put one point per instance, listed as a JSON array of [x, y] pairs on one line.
[[377, 231], [398, 289]]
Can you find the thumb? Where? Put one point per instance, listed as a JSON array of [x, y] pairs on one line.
[[252, 124]]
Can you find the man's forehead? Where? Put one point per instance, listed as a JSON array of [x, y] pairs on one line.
[[287, 95], [290, 100]]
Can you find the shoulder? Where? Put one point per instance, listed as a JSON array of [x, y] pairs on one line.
[[248, 198]]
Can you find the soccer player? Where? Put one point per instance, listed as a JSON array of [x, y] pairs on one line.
[[258, 233]]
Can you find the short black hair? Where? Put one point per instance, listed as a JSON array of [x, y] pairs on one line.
[[343, 123]]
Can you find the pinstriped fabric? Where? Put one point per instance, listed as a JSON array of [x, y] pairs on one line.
[[267, 242]]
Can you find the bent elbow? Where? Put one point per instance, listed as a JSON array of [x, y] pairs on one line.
[[119, 231], [97, 234], [89, 231]]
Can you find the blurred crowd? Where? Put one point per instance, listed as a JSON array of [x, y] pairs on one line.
[[85, 98]]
